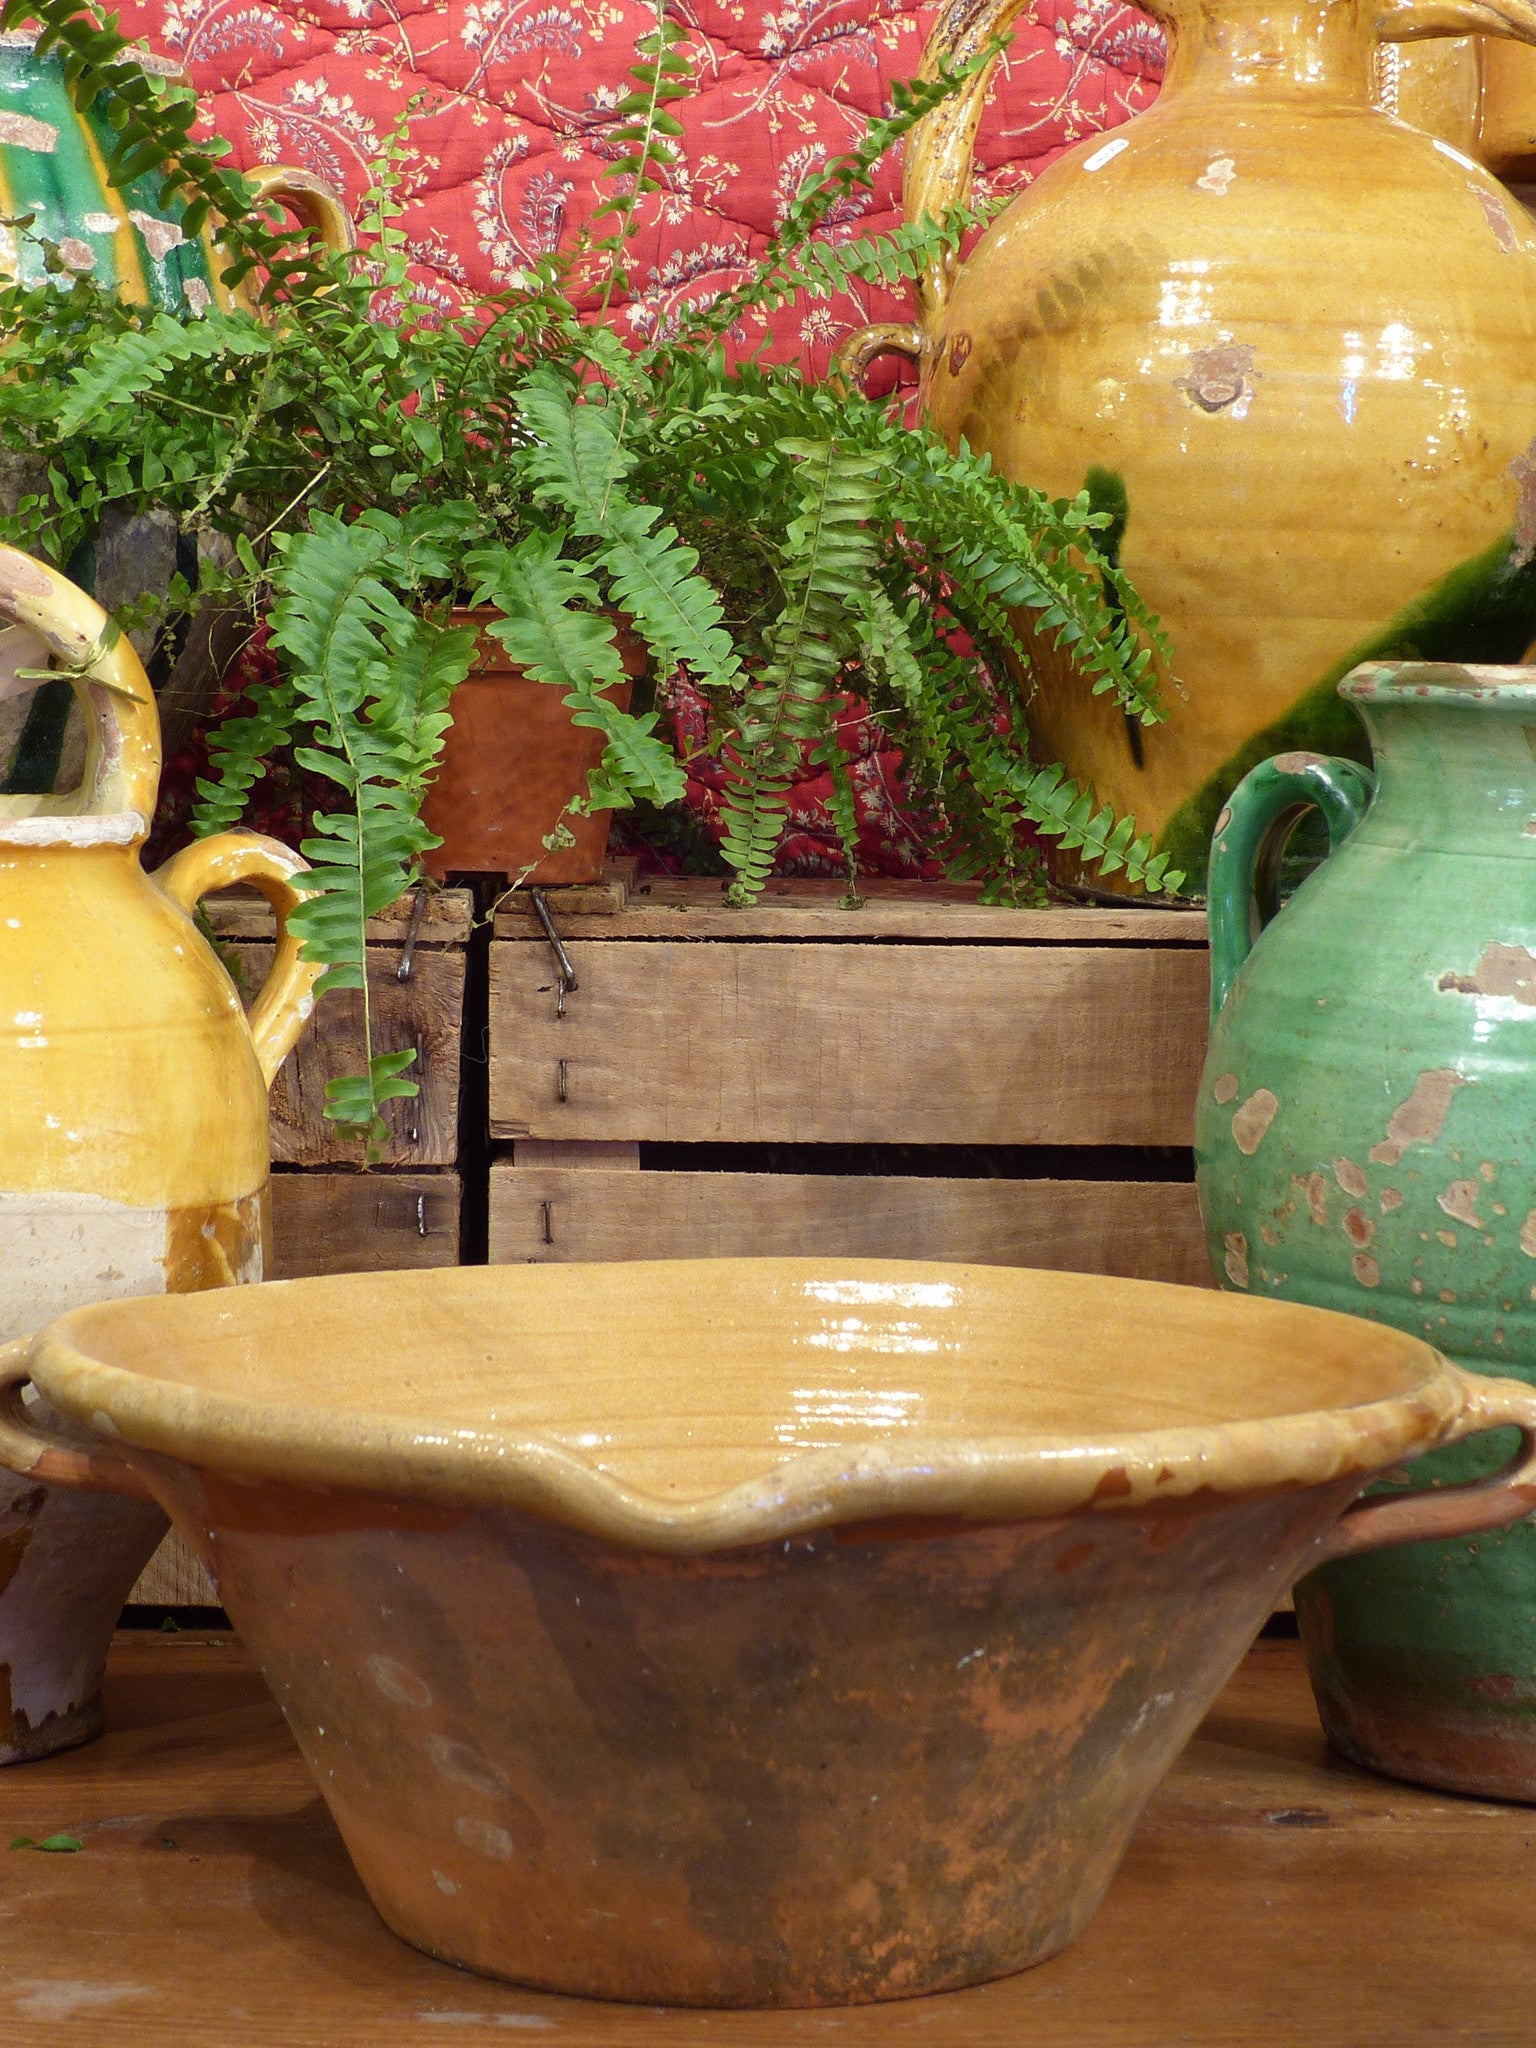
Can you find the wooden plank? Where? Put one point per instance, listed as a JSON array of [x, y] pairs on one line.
[[426, 1012], [363, 1222], [695, 911], [446, 919], [212, 1904], [1142, 1230], [816, 1044], [173, 1578]]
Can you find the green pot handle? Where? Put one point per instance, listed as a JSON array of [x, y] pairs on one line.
[[1277, 791]]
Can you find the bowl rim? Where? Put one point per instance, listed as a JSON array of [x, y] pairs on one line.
[[1466, 685], [1014, 1477]]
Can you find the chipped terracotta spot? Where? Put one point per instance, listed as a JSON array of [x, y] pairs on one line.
[[1114, 1485], [1224, 819], [20, 131], [1366, 1270], [1221, 170], [1448, 1238], [1298, 761], [1446, 1295], [1390, 1199], [160, 236], [1349, 1177], [1252, 1120], [1269, 1235], [1237, 1258], [1502, 971], [1358, 1228], [1218, 376], [1486, 1169], [1523, 471], [959, 353], [1528, 1240], [1315, 1188], [1460, 1202], [1415, 1286], [1503, 227], [76, 255], [1419, 1120], [1226, 1088]]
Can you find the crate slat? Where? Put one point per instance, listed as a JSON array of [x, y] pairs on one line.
[[1140, 1230], [363, 1222], [445, 919], [425, 1011], [809, 1044]]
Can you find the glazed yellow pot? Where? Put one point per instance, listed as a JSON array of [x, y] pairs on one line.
[[751, 1632], [1290, 344], [133, 1107]]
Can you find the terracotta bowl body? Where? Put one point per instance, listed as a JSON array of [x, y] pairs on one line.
[[749, 1632]]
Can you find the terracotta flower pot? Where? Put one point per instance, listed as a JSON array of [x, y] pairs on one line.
[[511, 763], [751, 1632]]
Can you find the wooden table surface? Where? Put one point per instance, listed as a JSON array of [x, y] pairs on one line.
[[1274, 1895]]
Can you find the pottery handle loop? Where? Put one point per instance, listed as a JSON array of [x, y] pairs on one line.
[[1435, 1512], [287, 996], [122, 762], [865, 345], [941, 146], [315, 204], [27, 1445], [1405, 21], [1279, 789]]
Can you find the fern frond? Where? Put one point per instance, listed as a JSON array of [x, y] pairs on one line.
[[828, 552], [548, 630], [120, 369], [577, 463]]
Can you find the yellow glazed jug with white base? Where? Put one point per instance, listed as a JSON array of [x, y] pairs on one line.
[[1288, 344], [133, 1110]]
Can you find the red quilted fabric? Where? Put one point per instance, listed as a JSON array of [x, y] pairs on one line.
[[510, 108]]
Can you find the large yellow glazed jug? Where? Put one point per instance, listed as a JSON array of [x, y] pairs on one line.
[[133, 1111], [1289, 342]]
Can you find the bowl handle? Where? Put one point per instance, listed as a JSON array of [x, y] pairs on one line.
[[29, 1447], [1434, 1512]]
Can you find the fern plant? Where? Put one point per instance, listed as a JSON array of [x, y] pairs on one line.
[[783, 547]]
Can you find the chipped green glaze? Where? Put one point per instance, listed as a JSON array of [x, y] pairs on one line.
[[53, 167], [1366, 1141]]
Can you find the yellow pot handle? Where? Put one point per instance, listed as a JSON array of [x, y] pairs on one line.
[[122, 762], [318, 206], [29, 1447], [287, 996], [938, 170], [1436, 1512]]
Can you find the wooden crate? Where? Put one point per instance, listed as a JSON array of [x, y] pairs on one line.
[[325, 1217], [922, 1019]]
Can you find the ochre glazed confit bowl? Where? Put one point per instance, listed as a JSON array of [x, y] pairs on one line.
[[750, 1632]]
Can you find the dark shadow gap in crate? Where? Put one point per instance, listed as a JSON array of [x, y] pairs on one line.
[[968, 1162], [174, 1620]]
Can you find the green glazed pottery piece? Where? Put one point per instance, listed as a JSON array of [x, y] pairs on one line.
[[1366, 1141]]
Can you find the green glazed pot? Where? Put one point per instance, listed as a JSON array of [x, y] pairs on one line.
[[53, 166], [1366, 1141]]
